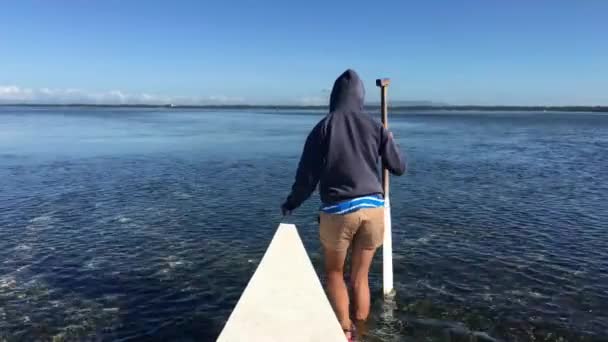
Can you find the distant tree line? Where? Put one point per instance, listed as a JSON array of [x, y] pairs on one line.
[[369, 107]]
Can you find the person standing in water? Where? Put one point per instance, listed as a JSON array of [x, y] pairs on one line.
[[342, 154]]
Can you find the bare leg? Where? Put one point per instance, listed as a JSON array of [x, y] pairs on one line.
[[336, 288], [361, 262]]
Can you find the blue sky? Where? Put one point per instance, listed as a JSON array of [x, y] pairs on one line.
[[460, 52]]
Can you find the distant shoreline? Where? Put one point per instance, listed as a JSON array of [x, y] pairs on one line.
[[369, 107]]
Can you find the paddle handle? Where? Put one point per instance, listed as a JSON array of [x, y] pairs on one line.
[[383, 83]]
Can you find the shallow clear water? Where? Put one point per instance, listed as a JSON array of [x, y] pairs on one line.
[[147, 224]]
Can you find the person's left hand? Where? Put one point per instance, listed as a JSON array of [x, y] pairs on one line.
[[285, 211]]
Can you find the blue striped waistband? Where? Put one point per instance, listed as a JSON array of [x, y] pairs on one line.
[[354, 205]]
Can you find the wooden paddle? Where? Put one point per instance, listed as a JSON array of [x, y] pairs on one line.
[[387, 248]]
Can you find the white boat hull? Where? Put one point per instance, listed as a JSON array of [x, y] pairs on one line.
[[284, 300]]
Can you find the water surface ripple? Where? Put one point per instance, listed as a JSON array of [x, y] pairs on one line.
[[146, 225]]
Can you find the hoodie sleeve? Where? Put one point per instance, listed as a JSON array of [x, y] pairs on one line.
[[389, 151], [309, 168]]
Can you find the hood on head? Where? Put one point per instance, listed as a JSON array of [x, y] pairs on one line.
[[348, 93]]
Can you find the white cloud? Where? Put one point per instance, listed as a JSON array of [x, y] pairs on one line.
[[15, 94]]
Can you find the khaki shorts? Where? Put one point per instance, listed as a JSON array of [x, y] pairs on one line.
[[363, 228]]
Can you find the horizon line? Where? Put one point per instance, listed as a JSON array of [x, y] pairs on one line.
[[601, 108]]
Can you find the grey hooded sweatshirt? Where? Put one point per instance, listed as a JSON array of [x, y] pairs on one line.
[[344, 150]]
